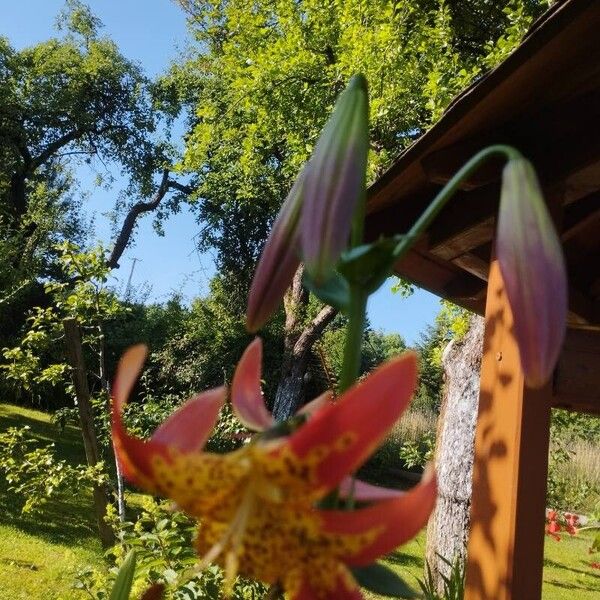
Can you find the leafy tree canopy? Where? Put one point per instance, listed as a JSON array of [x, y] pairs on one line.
[[261, 80], [68, 101]]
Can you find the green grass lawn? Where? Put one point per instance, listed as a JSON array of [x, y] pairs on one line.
[[566, 567], [40, 555]]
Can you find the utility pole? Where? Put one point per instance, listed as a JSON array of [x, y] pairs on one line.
[[128, 286]]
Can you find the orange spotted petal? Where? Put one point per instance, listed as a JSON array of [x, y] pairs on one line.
[[345, 434], [365, 492], [392, 522], [246, 395], [190, 426], [185, 431]]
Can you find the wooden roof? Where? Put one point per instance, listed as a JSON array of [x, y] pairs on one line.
[[545, 100]]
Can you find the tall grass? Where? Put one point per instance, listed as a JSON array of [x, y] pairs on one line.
[[586, 461], [574, 480], [383, 467], [413, 425]]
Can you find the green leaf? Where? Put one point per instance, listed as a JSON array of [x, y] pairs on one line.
[[124, 580], [369, 265], [335, 291], [379, 579]]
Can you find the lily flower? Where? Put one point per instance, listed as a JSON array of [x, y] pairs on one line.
[[533, 269], [257, 505]]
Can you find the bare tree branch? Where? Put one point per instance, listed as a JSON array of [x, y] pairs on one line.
[[314, 329], [180, 187], [53, 147], [129, 223], [139, 208]]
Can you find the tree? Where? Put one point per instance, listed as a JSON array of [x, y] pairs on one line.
[[261, 82], [448, 528], [67, 102], [63, 103]]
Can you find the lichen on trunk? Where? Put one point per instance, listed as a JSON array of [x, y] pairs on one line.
[[448, 527]]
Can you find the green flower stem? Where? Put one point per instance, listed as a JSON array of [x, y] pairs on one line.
[[449, 190], [358, 298], [357, 310], [354, 334]]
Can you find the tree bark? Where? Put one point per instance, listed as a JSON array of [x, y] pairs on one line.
[[86, 420], [448, 527], [298, 344]]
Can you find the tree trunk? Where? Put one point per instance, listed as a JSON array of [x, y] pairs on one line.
[[448, 527], [90, 442], [298, 344], [106, 388]]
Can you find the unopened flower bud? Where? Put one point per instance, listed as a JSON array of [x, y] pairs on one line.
[[533, 269], [278, 262], [336, 181]]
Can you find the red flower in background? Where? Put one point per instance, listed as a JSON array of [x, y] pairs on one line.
[[552, 526]]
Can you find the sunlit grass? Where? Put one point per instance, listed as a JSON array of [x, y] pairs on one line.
[[39, 554]]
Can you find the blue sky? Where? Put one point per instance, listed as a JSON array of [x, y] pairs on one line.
[[152, 32]]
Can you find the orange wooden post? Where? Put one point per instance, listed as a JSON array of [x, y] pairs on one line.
[[506, 543]]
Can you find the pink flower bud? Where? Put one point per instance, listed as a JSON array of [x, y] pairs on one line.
[[278, 262], [533, 269], [335, 181], [322, 202]]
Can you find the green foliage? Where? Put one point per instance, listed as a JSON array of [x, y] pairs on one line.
[[567, 488], [454, 582], [417, 453], [37, 363], [162, 541], [199, 346], [69, 101], [34, 473], [260, 82], [451, 323], [377, 348]]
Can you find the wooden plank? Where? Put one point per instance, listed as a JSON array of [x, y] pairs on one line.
[[443, 279], [505, 549], [473, 264], [577, 377]]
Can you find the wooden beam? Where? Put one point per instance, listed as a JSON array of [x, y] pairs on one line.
[[581, 216], [466, 222], [506, 543], [577, 377], [442, 279], [473, 264]]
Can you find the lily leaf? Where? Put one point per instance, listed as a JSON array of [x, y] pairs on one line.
[[379, 579], [124, 580], [335, 291], [369, 265]]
